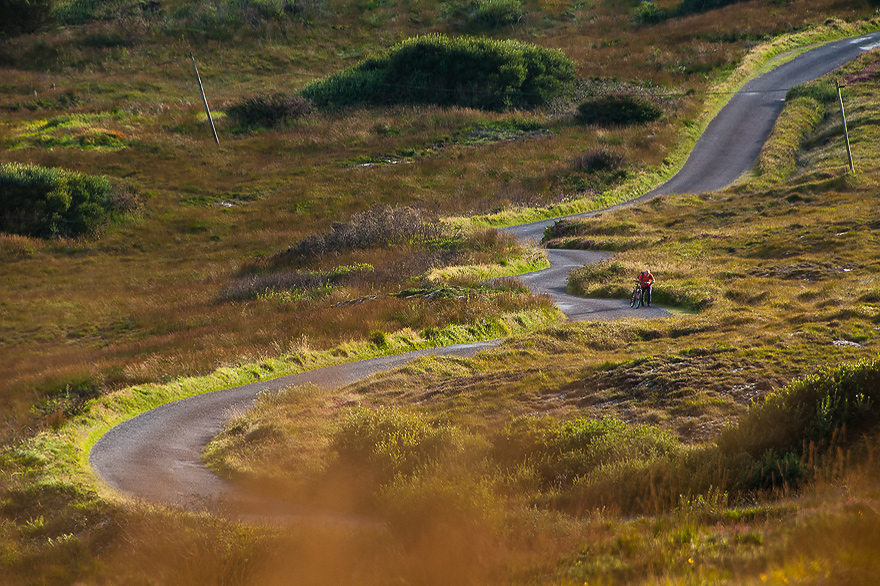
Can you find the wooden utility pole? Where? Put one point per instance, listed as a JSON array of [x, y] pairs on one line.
[[204, 99], [845, 131]]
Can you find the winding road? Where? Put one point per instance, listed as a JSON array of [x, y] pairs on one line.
[[156, 456]]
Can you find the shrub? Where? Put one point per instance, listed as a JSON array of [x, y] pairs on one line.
[[462, 71], [298, 284], [388, 442], [79, 12], [647, 12], [696, 6], [498, 13], [223, 19], [379, 340], [24, 16], [268, 111], [810, 410], [617, 111], [608, 274], [598, 160], [378, 226], [50, 202], [823, 93], [563, 451]]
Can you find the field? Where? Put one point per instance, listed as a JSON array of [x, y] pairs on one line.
[[632, 452]]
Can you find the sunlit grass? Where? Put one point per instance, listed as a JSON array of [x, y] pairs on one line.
[[86, 131]]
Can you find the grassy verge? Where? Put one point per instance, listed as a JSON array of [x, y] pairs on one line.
[[82, 432], [56, 514]]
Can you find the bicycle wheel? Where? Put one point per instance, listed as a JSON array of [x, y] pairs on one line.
[[634, 300]]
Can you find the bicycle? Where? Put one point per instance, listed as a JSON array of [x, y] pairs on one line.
[[638, 296]]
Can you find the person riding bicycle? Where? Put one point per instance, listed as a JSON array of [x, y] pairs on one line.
[[646, 279]]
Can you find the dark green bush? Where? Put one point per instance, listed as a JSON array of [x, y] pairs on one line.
[[50, 202], [24, 16], [617, 111], [810, 410], [771, 471], [268, 111], [648, 13], [462, 71], [498, 13], [697, 6], [824, 93], [598, 160], [78, 12]]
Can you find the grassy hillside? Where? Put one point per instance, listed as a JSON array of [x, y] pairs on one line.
[[267, 253], [116, 96]]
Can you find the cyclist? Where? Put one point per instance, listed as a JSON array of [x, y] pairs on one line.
[[646, 279]]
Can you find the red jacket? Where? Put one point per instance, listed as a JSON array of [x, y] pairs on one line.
[[646, 279]]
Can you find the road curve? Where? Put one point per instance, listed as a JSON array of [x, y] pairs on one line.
[[733, 139], [157, 455]]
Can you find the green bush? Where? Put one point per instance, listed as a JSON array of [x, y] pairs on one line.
[[390, 442], [824, 93], [810, 410], [50, 202], [224, 19], [78, 12], [617, 111], [563, 451], [498, 13], [648, 13], [268, 111], [461, 71], [24, 16]]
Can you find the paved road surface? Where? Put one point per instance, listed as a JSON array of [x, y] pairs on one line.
[[733, 139]]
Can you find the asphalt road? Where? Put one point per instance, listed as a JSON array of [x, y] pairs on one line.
[[733, 140], [157, 455]]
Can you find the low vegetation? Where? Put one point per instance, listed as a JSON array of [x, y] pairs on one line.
[[629, 452], [698, 425], [470, 72], [51, 202], [617, 111], [268, 111]]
